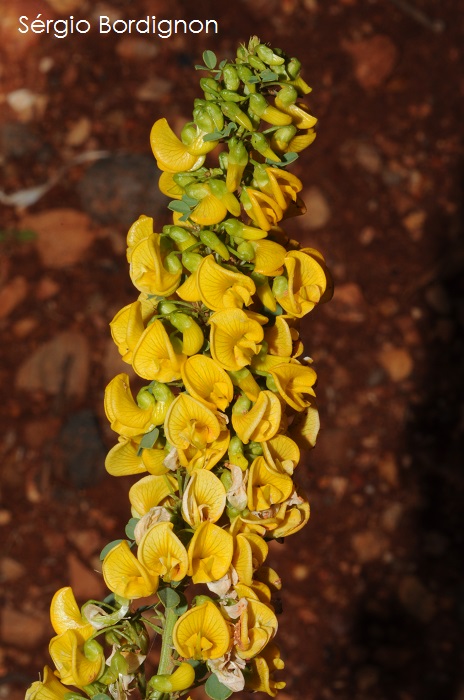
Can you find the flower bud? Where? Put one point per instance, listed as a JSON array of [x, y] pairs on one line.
[[230, 76], [267, 55], [210, 239], [181, 679], [191, 261]]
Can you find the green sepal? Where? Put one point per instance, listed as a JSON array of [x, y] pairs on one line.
[[216, 690]]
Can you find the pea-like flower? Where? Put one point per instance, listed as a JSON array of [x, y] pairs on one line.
[[305, 427], [190, 422], [306, 283], [170, 153], [263, 666], [282, 453], [65, 614], [210, 553], [151, 491], [235, 338], [223, 289], [162, 552], [151, 271], [125, 575], [126, 328], [127, 458], [50, 688], [204, 498], [258, 422], [257, 626], [154, 356], [292, 381], [202, 633], [250, 552], [266, 486], [126, 417], [262, 209], [78, 661], [206, 381]]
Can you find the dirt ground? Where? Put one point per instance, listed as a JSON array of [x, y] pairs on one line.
[[373, 594]]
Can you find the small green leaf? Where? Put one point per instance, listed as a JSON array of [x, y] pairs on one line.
[[182, 606], [216, 690], [197, 67], [268, 75], [169, 598], [148, 440], [210, 59], [290, 157], [130, 527], [101, 696], [190, 201], [213, 136], [108, 548], [253, 79], [180, 206]]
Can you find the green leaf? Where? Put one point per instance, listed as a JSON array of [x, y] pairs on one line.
[[108, 548], [182, 606], [287, 159], [253, 79], [290, 157], [130, 527], [213, 136], [180, 206], [210, 59], [190, 201], [101, 696], [148, 440], [169, 598], [268, 75], [216, 690]]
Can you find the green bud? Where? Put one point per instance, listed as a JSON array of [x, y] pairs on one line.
[[191, 261], [255, 449], [145, 399], [231, 96], [293, 67], [210, 239], [268, 56], [166, 307], [162, 392], [256, 63], [238, 154], [258, 104], [197, 190], [287, 96], [235, 114], [242, 53], [183, 179], [245, 73], [279, 286], [216, 115], [271, 385], [230, 76], [181, 321], [209, 86], [235, 446], [189, 133], [258, 278], [242, 405], [226, 479], [172, 263], [282, 137], [261, 144], [245, 251], [181, 237], [203, 120]]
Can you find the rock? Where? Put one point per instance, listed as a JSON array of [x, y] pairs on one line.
[[63, 236], [117, 190], [388, 470], [60, 365], [26, 103], [374, 59], [10, 569], [300, 572], [40, 431], [136, 49], [367, 235], [86, 541], [83, 450], [348, 303], [397, 362], [86, 584], [391, 516], [24, 326], [369, 545], [12, 294], [46, 288], [79, 132], [64, 7], [23, 630], [414, 223], [153, 89], [318, 213], [416, 599]]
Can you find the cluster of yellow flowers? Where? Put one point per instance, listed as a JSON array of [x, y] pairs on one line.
[[218, 430]]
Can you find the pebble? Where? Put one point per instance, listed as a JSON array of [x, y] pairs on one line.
[[397, 362], [86, 541], [388, 469], [318, 209], [153, 89], [367, 235], [60, 365], [24, 326], [12, 294], [25, 103], [369, 545], [79, 132], [348, 303], [300, 572], [63, 236], [414, 223], [86, 584], [5, 516], [374, 60], [46, 288], [136, 49], [23, 630], [416, 599], [10, 569]]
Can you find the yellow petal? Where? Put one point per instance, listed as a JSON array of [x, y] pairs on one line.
[[126, 328], [305, 427], [126, 576], [74, 668], [190, 422], [261, 627], [125, 416], [153, 460], [204, 498], [161, 551], [123, 459], [189, 291], [151, 491], [220, 288], [281, 452], [154, 356], [209, 211], [250, 553], [169, 187], [210, 553], [234, 338], [206, 458], [291, 520], [261, 422], [269, 257], [65, 614], [202, 633], [147, 270], [264, 211], [279, 338], [139, 231], [292, 381], [48, 689], [206, 381], [172, 155], [306, 284], [266, 486]]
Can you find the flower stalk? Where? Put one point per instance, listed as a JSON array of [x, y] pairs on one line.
[[214, 437]]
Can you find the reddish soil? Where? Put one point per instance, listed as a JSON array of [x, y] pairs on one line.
[[373, 589]]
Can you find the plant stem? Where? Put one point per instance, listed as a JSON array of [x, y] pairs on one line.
[[166, 664]]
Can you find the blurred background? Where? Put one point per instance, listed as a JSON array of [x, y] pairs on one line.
[[373, 593]]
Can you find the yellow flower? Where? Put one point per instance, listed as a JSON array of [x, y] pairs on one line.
[[262, 668], [181, 679], [292, 381], [258, 624], [126, 328], [202, 633], [78, 661], [168, 186], [262, 209], [204, 498], [305, 427], [261, 421], [235, 338], [306, 284], [124, 459], [206, 457], [147, 264], [266, 486], [223, 289], [280, 338], [190, 422], [269, 257], [154, 356], [170, 153], [210, 553], [206, 381], [162, 552], [65, 614], [291, 518], [151, 491], [282, 453], [281, 185], [249, 554], [125, 416], [48, 689], [126, 576]]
